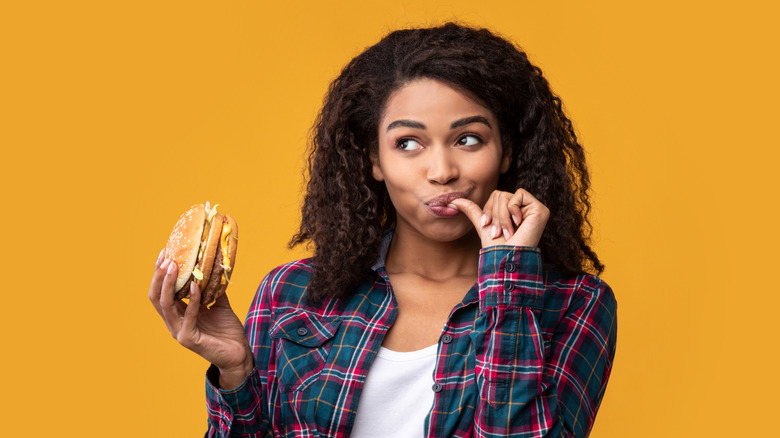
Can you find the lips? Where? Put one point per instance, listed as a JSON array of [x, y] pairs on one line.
[[440, 204], [445, 199]]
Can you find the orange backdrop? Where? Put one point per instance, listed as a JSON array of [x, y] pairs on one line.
[[116, 116]]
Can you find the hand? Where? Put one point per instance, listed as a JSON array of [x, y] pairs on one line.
[[503, 211], [215, 333]]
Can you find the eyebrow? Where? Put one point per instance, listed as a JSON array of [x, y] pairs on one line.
[[406, 124], [456, 124], [470, 120]]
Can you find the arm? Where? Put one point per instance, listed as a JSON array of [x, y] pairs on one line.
[[241, 411], [528, 389], [216, 334], [523, 391], [237, 412]]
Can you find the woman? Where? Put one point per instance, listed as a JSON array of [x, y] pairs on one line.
[[449, 294]]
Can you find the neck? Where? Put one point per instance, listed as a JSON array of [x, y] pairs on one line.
[[412, 253]]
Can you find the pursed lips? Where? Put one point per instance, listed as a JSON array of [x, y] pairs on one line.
[[445, 199]]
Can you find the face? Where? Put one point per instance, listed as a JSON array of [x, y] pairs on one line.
[[437, 144]]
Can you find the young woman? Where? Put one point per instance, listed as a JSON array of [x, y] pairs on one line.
[[452, 290]]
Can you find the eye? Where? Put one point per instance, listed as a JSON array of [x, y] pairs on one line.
[[469, 140], [407, 144]]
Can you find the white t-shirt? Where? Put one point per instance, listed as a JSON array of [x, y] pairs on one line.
[[397, 396]]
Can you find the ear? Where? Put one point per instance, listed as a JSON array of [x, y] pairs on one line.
[[506, 160], [376, 169]]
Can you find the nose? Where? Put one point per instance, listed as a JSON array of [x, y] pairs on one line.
[[442, 167]]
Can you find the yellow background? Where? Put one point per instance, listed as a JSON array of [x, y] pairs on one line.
[[118, 115]]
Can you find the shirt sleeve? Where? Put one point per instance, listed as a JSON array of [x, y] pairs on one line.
[[240, 412], [236, 412], [529, 388]]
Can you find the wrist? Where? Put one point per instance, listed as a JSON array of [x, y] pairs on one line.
[[232, 377]]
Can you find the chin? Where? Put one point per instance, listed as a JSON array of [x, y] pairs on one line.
[[449, 230]]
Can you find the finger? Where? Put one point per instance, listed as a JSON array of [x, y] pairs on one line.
[[529, 205], [155, 288], [516, 203], [189, 323], [170, 312], [501, 219], [496, 221], [523, 198], [516, 213], [160, 259], [487, 217], [533, 207], [507, 229], [471, 210], [533, 217]]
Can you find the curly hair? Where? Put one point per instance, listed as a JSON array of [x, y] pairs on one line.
[[346, 212]]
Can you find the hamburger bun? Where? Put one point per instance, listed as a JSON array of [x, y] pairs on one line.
[[203, 244]]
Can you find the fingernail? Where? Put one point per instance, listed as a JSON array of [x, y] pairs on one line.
[[159, 258], [506, 234], [165, 263], [452, 206], [171, 267], [483, 220], [517, 221], [494, 232]]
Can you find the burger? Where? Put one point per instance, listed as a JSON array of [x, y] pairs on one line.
[[203, 245]]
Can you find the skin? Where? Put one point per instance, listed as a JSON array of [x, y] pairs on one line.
[[216, 334], [433, 140]]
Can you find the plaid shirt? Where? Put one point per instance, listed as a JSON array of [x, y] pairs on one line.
[[527, 353]]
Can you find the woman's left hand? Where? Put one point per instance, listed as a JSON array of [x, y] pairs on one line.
[[502, 213]]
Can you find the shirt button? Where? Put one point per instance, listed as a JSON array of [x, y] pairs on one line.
[[303, 331], [446, 339], [510, 267], [437, 387], [509, 286]]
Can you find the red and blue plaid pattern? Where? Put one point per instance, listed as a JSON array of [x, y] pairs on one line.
[[527, 353]]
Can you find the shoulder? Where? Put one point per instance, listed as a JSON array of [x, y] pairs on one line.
[[285, 285], [582, 301], [580, 308], [295, 274], [572, 288]]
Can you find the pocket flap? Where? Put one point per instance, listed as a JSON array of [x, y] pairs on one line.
[[304, 328]]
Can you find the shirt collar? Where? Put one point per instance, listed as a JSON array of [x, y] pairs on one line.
[[472, 296], [380, 261]]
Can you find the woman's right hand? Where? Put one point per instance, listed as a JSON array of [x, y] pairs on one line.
[[215, 333]]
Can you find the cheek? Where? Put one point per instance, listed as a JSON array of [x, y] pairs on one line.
[[393, 170], [485, 179], [398, 185], [486, 173]]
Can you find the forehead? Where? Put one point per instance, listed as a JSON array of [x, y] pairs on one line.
[[431, 100]]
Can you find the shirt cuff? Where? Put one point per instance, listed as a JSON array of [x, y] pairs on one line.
[[225, 406], [511, 276]]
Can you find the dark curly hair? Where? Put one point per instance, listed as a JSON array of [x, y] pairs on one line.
[[345, 211]]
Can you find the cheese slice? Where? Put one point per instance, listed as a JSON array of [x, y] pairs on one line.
[[223, 242]]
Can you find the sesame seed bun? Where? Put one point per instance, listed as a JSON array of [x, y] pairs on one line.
[[184, 242], [208, 244]]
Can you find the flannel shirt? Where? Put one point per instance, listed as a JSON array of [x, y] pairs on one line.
[[527, 353]]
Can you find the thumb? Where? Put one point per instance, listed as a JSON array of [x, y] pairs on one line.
[[471, 210]]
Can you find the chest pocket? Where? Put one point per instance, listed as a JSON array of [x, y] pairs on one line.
[[302, 341]]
